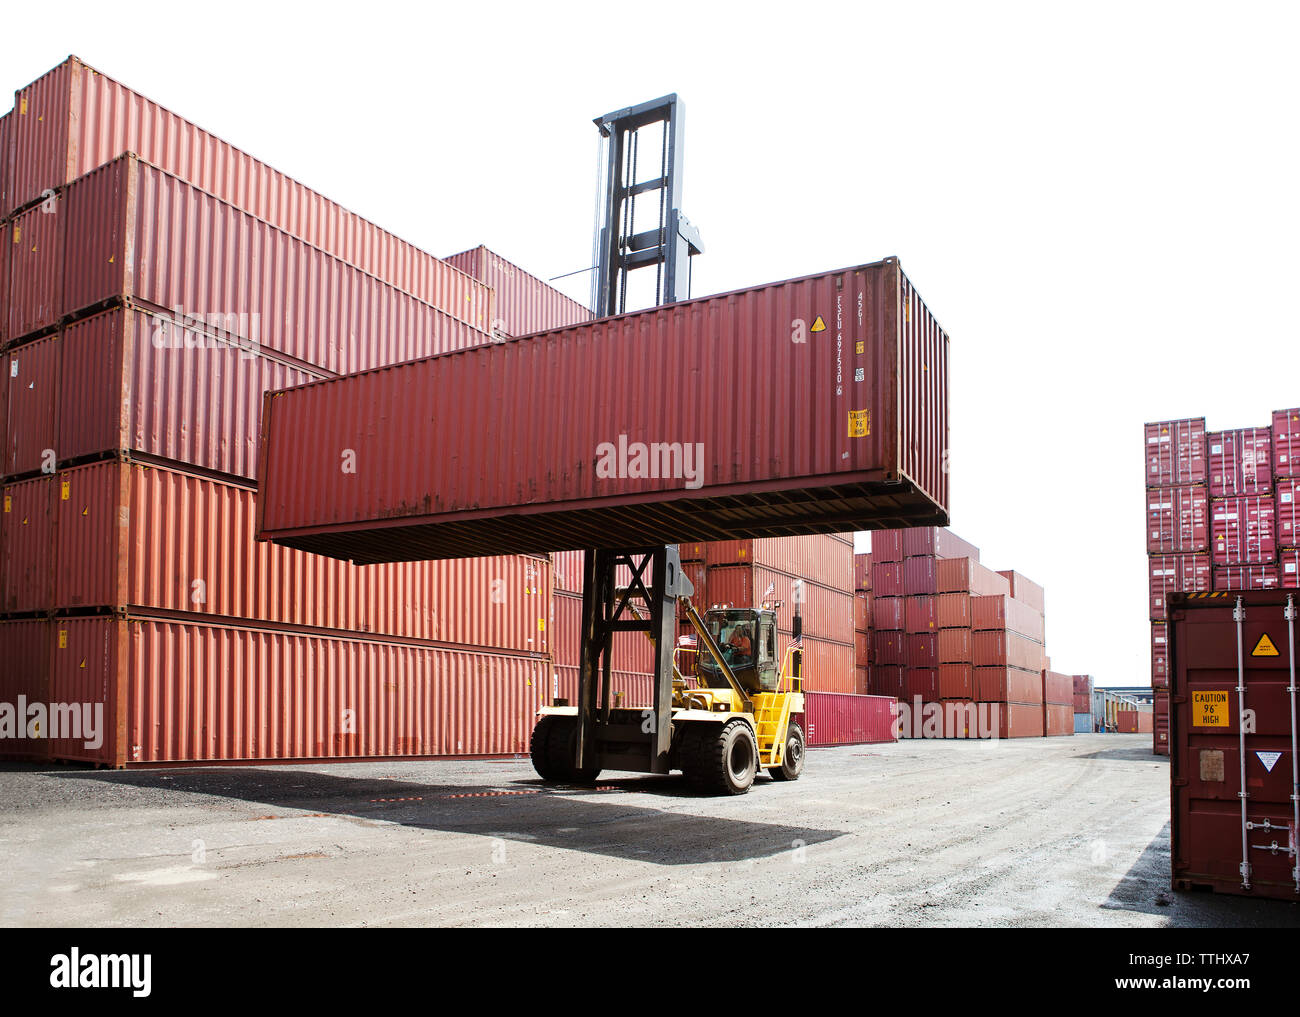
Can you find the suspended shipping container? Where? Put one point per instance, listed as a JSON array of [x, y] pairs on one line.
[[582, 469]]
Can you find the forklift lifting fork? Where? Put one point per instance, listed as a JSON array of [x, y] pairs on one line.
[[740, 714]]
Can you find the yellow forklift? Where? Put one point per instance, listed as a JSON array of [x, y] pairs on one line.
[[738, 714]]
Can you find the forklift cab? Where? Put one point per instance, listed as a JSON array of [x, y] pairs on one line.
[[747, 637]]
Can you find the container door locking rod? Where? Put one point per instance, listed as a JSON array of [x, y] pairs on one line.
[[1239, 616], [1295, 763]]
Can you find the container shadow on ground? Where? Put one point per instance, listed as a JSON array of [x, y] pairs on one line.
[[523, 810], [1146, 888], [1130, 754]]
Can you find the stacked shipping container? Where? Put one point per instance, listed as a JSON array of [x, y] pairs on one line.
[[947, 630], [1221, 516], [138, 341]]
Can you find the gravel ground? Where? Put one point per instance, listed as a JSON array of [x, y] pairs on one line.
[[1059, 832]]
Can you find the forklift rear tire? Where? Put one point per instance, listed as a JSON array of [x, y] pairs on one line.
[[552, 748], [730, 760], [792, 758]]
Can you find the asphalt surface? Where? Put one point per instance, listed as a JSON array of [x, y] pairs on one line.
[[1036, 832]]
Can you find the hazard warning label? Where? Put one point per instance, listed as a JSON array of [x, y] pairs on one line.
[[1264, 648], [859, 423], [1210, 708], [819, 325]]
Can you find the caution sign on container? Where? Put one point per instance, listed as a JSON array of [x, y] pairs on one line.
[[1210, 708], [1264, 648]]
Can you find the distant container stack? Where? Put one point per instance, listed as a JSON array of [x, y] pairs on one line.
[[1221, 517], [960, 641]]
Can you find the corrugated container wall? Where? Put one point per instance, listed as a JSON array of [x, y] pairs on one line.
[[873, 450], [75, 119], [838, 719], [133, 231], [524, 304]]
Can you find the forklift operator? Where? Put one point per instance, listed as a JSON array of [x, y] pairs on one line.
[[741, 645]]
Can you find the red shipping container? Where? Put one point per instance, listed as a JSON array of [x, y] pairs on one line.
[[1160, 723], [864, 681], [887, 613], [955, 647], [1286, 443], [887, 648], [862, 648], [1241, 462], [123, 385], [1216, 756], [25, 647], [887, 547], [862, 572], [544, 492], [827, 666], [128, 224], [698, 573], [1289, 568], [1159, 654], [1009, 685], [1178, 520], [1176, 453], [1244, 531], [1173, 573], [887, 579], [827, 613], [921, 649], [861, 611], [922, 682], [1082, 703], [4, 380], [1025, 590], [887, 680], [691, 551], [956, 681], [937, 542], [32, 385], [26, 540], [920, 577], [1058, 690], [1005, 613], [954, 610], [953, 718], [632, 652], [1134, 721], [35, 264], [837, 719], [181, 692], [1058, 720], [961, 575], [158, 540], [997, 648], [627, 688], [5, 122], [1017, 720], [1246, 577], [1288, 512], [819, 558], [1082, 685], [75, 119], [921, 614], [524, 304], [568, 572]]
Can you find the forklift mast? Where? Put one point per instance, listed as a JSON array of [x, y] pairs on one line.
[[626, 241]]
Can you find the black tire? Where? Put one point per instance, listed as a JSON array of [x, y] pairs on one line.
[[730, 760], [792, 758], [690, 749], [552, 750], [539, 748]]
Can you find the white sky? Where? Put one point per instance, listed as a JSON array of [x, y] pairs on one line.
[[1099, 204]]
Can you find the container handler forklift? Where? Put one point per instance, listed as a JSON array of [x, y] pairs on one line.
[[742, 714]]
